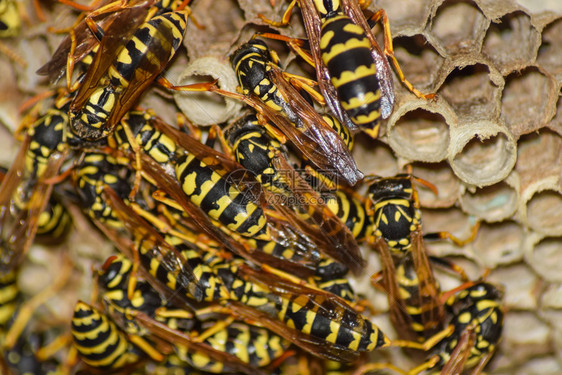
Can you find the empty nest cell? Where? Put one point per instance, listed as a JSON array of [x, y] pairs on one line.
[[528, 101], [419, 130], [512, 43], [471, 92], [524, 336], [549, 56], [482, 153], [544, 212], [492, 203], [206, 108], [440, 175], [498, 244], [521, 284], [419, 61], [406, 17], [545, 257], [458, 27]]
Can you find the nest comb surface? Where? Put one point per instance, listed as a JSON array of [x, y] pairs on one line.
[[491, 142]]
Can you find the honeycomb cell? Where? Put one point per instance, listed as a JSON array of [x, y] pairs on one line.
[[472, 92], [511, 43], [524, 336], [205, 108], [498, 244], [529, 101], [419, 130], [482, 153], [547, 365], [408, 16], [440, 175], [454, 221], [419, 61], [549, 56], [544, 212], [551, 298], [538, 162], [492, 203], [374, 157], [556, 122], [521, 286], [459, 27], [545, 257], [216, 31]]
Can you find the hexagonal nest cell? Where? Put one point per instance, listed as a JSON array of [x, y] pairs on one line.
[[490, 141]]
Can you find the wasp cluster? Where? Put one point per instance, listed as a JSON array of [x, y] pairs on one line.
[[490, 142]]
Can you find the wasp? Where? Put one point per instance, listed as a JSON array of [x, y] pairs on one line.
[[471, 336], [267, 90], [333, 329], [110, 18], [243, 342], [396, 234], [109, 90], [477, 322], [262, 155], [353, 73], [24, 196], [98, 340]]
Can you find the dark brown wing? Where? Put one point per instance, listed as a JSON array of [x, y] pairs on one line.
[[19, 234], [399, 316], [313, 137], [459, 356], [118, 33], [85, 43], [429, 292], [327, 230], [312, 25], [161, 330], [169, 258]]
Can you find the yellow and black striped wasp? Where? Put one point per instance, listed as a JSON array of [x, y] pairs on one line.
[[266, 89], [109, 90], [353, 73], [263, 156], [233, 338], [25, 194], [414, 294], [100, 343], [396, 234], [474, 329]]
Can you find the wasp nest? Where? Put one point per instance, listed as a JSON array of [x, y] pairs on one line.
[[491, 141]]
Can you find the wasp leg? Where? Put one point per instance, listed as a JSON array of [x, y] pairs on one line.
[[296, 45], [457, 241], [286, 16], [146, 347], [12, 55], [389, 51], [28, 308], [206, 86]]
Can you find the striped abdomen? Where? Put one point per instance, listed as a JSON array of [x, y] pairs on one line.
[[346, 53], [138, 63], [219, 198], [98, 340]]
